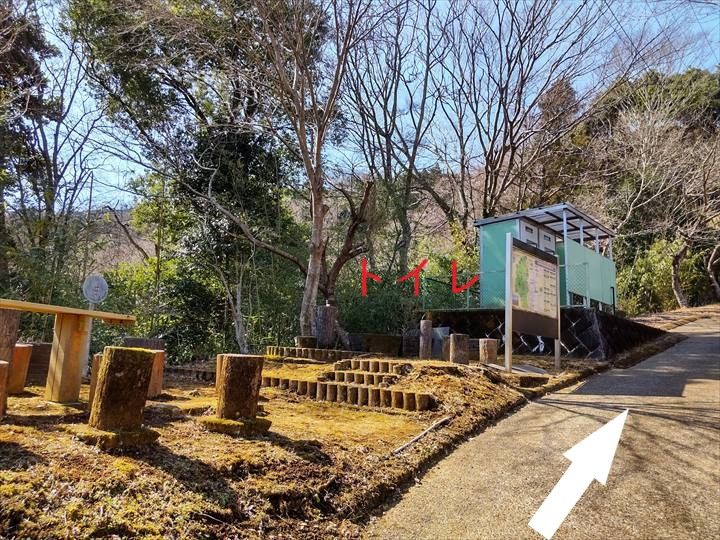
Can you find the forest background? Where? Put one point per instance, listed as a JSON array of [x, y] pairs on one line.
[[227, 164]]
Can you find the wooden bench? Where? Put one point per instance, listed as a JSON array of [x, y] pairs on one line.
[[71, 339]]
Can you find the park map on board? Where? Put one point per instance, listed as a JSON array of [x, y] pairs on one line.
[[534, 284]]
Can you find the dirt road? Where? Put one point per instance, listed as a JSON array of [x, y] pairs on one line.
[[664, 483]]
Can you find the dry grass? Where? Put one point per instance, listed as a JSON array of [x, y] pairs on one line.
[[672, 319]]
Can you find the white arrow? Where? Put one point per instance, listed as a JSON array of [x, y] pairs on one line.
[[591, 458]]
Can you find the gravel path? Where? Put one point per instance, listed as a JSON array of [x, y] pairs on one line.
[[665, 480]]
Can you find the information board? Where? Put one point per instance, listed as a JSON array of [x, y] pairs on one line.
[[532, 304], [534, 284]]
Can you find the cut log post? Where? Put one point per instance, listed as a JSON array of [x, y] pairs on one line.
[[426, 338], [311, 389], [488, 350], [156, 377], [121, 389], [409, 401], [321, 391], [9, 326], [352, 395], [94, 370], [238, 385], [293, 385], [306, 341], [325, 324], [383, 366], [362, 397], [331, 393], [374, 397], [385, 397], [342, 393], [423, 402], [302, 388], [19, 368], [398, 397], [4, 368], [446, 348], [459, 349]]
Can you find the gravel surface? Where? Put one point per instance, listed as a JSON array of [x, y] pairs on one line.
[[664, 483]]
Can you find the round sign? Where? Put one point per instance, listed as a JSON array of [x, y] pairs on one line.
[[95, 288]]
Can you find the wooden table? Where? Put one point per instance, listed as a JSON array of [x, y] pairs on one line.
[[71, 337]]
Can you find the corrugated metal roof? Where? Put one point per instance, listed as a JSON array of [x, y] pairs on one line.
[[552, 217]]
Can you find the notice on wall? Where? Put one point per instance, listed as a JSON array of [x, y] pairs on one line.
[[534, 286]]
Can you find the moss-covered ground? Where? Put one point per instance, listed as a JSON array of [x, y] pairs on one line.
[[315, 474]]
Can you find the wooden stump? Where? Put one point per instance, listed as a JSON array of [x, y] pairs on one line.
[[306, 341], [409, 401], [488, 350], [352, 395], [321, 391], [385, 397], [331, 394], [398, 397], [426, 338], [4, 368], [9, 325], [423, 402], [238, 385], [325, 323], [302, 388], [156, 377], [342, 392], [19, 368], [121, 389], [459, 348], [94, 370], [374, 397], [362, 397]]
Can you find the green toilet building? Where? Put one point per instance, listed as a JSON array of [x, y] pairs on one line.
[[582, 244]]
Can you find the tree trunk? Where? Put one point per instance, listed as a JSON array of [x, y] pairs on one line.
[[712, 261], [676, 284], [314, 267], [405, 240], [238, 380], [121, 389], [239, 321], [9, 326]]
